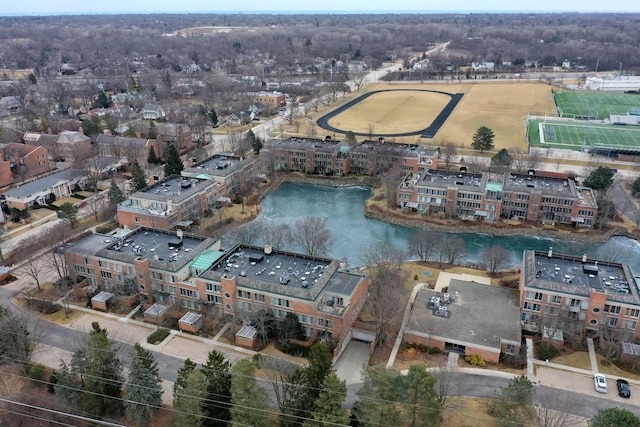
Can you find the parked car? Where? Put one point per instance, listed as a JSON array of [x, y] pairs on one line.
[[600, 383], [623, 388]]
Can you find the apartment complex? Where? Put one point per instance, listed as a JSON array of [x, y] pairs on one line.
[[178, 201], [229, 171], [174, 202], [483, 197], [563, 296], [331, 157], [174, 270]]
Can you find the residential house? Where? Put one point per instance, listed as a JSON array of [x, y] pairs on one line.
[[356, 66], [10, 103], [153, 112], [22, 161], [131, 148], [173, 134], [70, 146], [457, 320], [60, 184], [564, 297], [240, 118]]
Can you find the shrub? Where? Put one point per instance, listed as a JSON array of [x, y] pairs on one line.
[[415, 277], [545, 351], [475, 360], [36, 372], [157, 336], [53, 380]]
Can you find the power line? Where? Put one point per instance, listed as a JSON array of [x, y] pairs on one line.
[[53, 411]]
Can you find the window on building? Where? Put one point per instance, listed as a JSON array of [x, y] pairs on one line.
[[259, 297], [613, 309], [214, 287], [105, 274], [243, 294], [280, 302], [632, 312], [510, 349], [611, 321]]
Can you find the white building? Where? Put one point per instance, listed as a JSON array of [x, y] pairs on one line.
[[613, 83]]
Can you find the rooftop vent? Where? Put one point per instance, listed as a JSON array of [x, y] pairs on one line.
[[268, 249]]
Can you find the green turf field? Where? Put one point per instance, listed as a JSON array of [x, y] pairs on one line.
[[594, 106], [570, 135]]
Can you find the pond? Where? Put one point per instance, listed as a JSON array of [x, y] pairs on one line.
[[352, 232]]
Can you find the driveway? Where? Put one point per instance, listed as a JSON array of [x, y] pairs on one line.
[[352, 360]]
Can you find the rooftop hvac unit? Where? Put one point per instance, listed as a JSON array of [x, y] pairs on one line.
[[268, 249]]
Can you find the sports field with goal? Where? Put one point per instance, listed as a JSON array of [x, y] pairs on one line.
[[594, 106], [576, 136]]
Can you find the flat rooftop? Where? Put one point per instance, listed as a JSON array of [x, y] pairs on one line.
[[393, 147], [330, 145], [572, 275], [442, 178], [220, 164], [548, 185], [175, 189], [481, 314], [286, 273], [165, 250]]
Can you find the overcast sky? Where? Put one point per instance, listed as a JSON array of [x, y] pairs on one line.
[[48, 7]]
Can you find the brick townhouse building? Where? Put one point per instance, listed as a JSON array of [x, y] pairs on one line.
[[328, 156], [530, 197], [174, 202], [69, 145], [21, 161], [178, 201], [193, 274], [271, 100], [226, 169], [565, 297]]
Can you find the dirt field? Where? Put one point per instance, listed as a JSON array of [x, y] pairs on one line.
[[500, 106]]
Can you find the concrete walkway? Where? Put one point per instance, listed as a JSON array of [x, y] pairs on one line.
[[407, 313], [592, 356]]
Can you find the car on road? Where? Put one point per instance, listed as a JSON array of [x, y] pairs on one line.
[[600, 383], [623, 388]]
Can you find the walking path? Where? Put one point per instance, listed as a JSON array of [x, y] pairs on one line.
[[592, 356], [405, 319]]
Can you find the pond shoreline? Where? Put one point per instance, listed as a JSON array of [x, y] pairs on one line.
[[454, 226]]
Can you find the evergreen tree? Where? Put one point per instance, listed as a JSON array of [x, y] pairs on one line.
[[103, 101], [614, 417], [635, 188], [152, 132], [68, 213], [350, 139], [181, 380], [68, 387], [420, 397], [218, 401], [174, 164], [188, 404], [600, 178], [138, 177], [328, 409], [152, 159], [250, 402], [378, 397], [213, 116], [100, 373], [115, 194], [513, 405], [144, 387], [32, 79], [483, 139], [130, 132]]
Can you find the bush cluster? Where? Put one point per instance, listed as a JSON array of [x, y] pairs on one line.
[[475, 360], [158, 336]]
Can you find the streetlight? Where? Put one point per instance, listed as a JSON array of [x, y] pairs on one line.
[[620, 69]]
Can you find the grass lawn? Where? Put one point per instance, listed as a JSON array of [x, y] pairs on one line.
[[467, 412], [580, 359], [500, 106]]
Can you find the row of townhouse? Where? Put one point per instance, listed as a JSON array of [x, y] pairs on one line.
[[178, 201], [177, 271], [328, 156], [531, 197], [565, 297]]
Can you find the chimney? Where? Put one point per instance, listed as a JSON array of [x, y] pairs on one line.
[[80, 130], [550, 254], [584, 258]]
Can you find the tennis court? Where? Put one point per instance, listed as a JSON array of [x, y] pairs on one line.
[[573, 136], [594, 106]]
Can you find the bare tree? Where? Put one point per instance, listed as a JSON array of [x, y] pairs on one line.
[[313, 235], [448, 151], [371, 128], [246, 234], [496, 258], [554, 412], [423, 244], [450, 249], [35, 268], [391, 182], [279, 236], [447, 381], [386, 288], [56, 238]]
